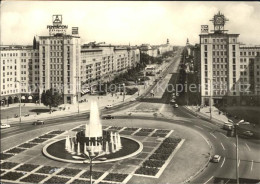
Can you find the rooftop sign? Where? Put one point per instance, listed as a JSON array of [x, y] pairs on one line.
[[57, 26]]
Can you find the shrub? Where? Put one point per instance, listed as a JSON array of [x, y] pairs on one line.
[[146, 130], [15, 150], [37, 140], [27, 145], [167, 151], [158, 135], [47, 136], [147, 171], [8, 165], [27, 167], [34, 178], [131, 91], [69, 172], [57, 180], [116, 177], [12, 176], [47, 170], [130, 129], [78, 181], [172, 140], [95, 174], [162, 131], [159, 156], [153, 163]]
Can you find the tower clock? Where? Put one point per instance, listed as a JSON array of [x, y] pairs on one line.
[[219, 21]]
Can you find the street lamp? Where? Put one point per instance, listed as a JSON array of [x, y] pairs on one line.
[[77, 83], [210, 97], [236, 125], [138, 86], [20, 109], [123, 92]]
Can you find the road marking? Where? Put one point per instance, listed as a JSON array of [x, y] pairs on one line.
[[227, 181], [238, 163], [224, 135], [198, 127], [213, 135], [247, 147], [252, 162], [222, 146], [223, 162], [207, 127], [208, 179], [204, 139]]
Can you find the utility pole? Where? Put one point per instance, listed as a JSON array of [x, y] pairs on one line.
[[20, 108]]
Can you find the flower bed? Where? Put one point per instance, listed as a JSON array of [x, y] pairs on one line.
[[27, 167], [47, 136], [15, 150], [8, 165], [69, 172], [142, 133], [78, 181], [153, 163], [37, 140], [116, 177], [12, 176], [57, 180], [166, 151], [95, 174], [146, 130], [47, 170], [171, 140], [2, 171], [4, 156], [147, 171], [162, 131], [126, 132], [34, 178], [27, 145], [57, 132], [161, 157], [158, 135], [131, 129]]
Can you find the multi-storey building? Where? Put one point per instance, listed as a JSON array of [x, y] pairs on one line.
[[19, 73], [225, 66]]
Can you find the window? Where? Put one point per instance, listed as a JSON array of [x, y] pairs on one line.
[[234, 54], [205, 47], [234, 60], [206, 61], [233, 47]]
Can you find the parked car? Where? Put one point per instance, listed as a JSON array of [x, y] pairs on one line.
[[108, 106], [27, 115], [109, 116], [216, 158], [228, 126], [133, 100], [176, 106], [2, 126], [38, 122], [248, 133]]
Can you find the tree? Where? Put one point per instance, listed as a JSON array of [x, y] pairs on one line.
[[51, 98]]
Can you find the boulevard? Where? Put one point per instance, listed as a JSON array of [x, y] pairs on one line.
[[213, 138]]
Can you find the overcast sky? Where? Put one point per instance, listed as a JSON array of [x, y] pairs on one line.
[[128, 22]]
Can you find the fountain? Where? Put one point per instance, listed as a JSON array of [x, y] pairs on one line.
[[92, 142]]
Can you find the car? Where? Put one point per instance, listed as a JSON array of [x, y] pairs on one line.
[[133, 100], [109, 116], [176, 106], [228, 126], [108, 106], [2, 126], [248, 133], [38, 122], [26, 115], [216, 158]]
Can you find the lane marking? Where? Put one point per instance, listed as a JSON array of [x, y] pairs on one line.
[[238, 162], [207, 127], [252, 162], [223, 162], [247, 147], [222, 146], [213, 135], [208, 179], [224, 135], [204, 139], [198, 127], [227, 181]]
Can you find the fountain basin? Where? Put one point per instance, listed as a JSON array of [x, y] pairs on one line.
[[56, 151]]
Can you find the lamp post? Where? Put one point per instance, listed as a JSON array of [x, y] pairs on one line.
[[236, 125], [138, 86], [123, 92], [77, 83], [210, 97], [20, 109]]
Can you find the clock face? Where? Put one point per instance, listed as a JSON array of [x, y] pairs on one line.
[[219, 20]]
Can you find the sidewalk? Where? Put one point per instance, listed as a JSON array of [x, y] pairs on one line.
[[70, 109], [204, 112]]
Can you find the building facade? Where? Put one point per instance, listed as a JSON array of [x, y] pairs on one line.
[[227, 71]]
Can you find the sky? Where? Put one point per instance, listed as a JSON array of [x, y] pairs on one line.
[[134, 22]]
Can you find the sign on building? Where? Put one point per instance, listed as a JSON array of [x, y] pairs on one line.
[[204, 29], [75, 30], [57, 26]]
